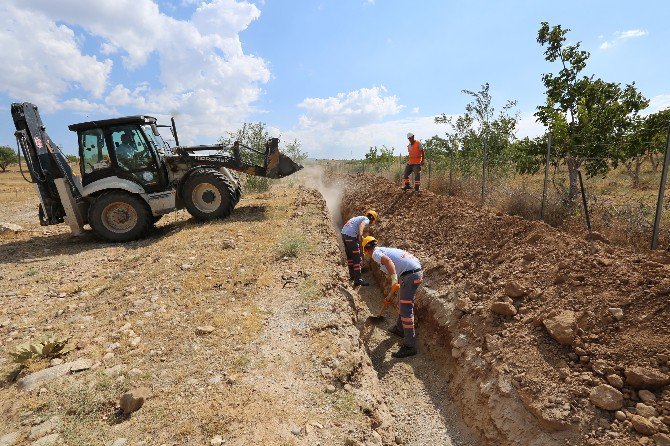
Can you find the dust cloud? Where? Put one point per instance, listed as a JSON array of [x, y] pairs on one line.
[[312, 176]]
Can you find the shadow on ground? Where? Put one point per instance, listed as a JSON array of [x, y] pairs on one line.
[[29, 248]]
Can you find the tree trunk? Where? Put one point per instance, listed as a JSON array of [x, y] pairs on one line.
[[573, 165], [654, 161], [636, 175]]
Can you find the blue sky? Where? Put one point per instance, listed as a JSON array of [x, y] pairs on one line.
[[337, 75]]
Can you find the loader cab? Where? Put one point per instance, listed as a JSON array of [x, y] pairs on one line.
[[127, 148]]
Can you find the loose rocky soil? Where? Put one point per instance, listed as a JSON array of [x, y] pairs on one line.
[[547, 339], [234, 332]]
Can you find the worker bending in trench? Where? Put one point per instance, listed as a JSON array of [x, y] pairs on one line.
[[352, 234], [406, 276]]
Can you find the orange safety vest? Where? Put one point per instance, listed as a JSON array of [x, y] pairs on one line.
[[415, 153]]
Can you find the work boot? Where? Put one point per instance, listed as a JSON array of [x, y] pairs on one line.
[[396, 331], [360, 282], [406, 187], [404, 352]]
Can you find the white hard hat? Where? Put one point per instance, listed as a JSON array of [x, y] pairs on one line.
[[410, 135]]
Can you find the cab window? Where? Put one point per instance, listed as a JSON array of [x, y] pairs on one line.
[[134, 155], [95, 155]]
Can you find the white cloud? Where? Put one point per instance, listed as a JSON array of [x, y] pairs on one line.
[[325, 142], [631, 34], [352, 109], [204, 76], [84, 106], [528, 126], [621, 36], [47, 63], [335, 135], [658, 103]]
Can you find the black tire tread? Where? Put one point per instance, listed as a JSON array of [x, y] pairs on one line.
[[144, 217], [215, 176]]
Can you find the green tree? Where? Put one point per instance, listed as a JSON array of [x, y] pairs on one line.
[[7, 157], [380, 158], [292, 150], [480, 132], [438, 149], [254, 135], [588, 117]]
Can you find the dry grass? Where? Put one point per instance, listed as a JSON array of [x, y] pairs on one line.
[[226, 274], [620, 212]]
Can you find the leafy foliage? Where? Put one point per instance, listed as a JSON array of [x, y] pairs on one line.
[[7, 157], [47, 347], [292, 245], [292, 150], [255, 136], [588, 117], [380, 158], [479, 132]]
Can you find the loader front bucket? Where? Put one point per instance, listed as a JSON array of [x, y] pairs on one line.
[[277, 164]]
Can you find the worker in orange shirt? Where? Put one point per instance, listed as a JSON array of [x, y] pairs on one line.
[[414, 163]]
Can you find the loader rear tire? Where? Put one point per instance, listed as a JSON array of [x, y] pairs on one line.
[[119, 216], [209, 195]]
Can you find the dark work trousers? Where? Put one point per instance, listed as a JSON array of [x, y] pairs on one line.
[[409, 168], [408, 286], [353, 251]]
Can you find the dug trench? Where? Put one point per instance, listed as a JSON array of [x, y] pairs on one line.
[[527, 336]]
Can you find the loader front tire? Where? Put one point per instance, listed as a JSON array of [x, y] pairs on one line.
[[237, 186], [119, 216], [209, 195]]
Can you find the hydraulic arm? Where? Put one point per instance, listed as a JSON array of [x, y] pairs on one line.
[[46, 163]]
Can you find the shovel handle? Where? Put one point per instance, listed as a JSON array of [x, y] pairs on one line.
[[386, 302]]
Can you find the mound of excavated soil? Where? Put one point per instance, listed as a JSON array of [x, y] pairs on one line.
[[577, 329]]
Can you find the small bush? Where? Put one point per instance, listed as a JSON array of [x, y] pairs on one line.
[[256, 184], [47, 347], [292, 245], [522, 204]]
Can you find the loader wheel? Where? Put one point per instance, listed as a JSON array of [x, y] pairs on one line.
[[119, 216], [208, 194]]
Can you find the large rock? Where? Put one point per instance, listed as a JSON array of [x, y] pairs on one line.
[[606, 397], [645, 410], [45, 428], [10, 439], [643, 425], [132, 401], [504, 308], [641, 377], [37, 379], [513, 289], [49, 440], [562, 327], [661, 439], [9, 227], [647, 397]]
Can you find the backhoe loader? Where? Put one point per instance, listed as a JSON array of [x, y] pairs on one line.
[[130, 177]]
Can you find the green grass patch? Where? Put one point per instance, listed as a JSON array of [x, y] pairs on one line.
[[292, 245]]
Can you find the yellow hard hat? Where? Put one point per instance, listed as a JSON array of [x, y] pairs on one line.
[[367, 240], [371, 213]]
